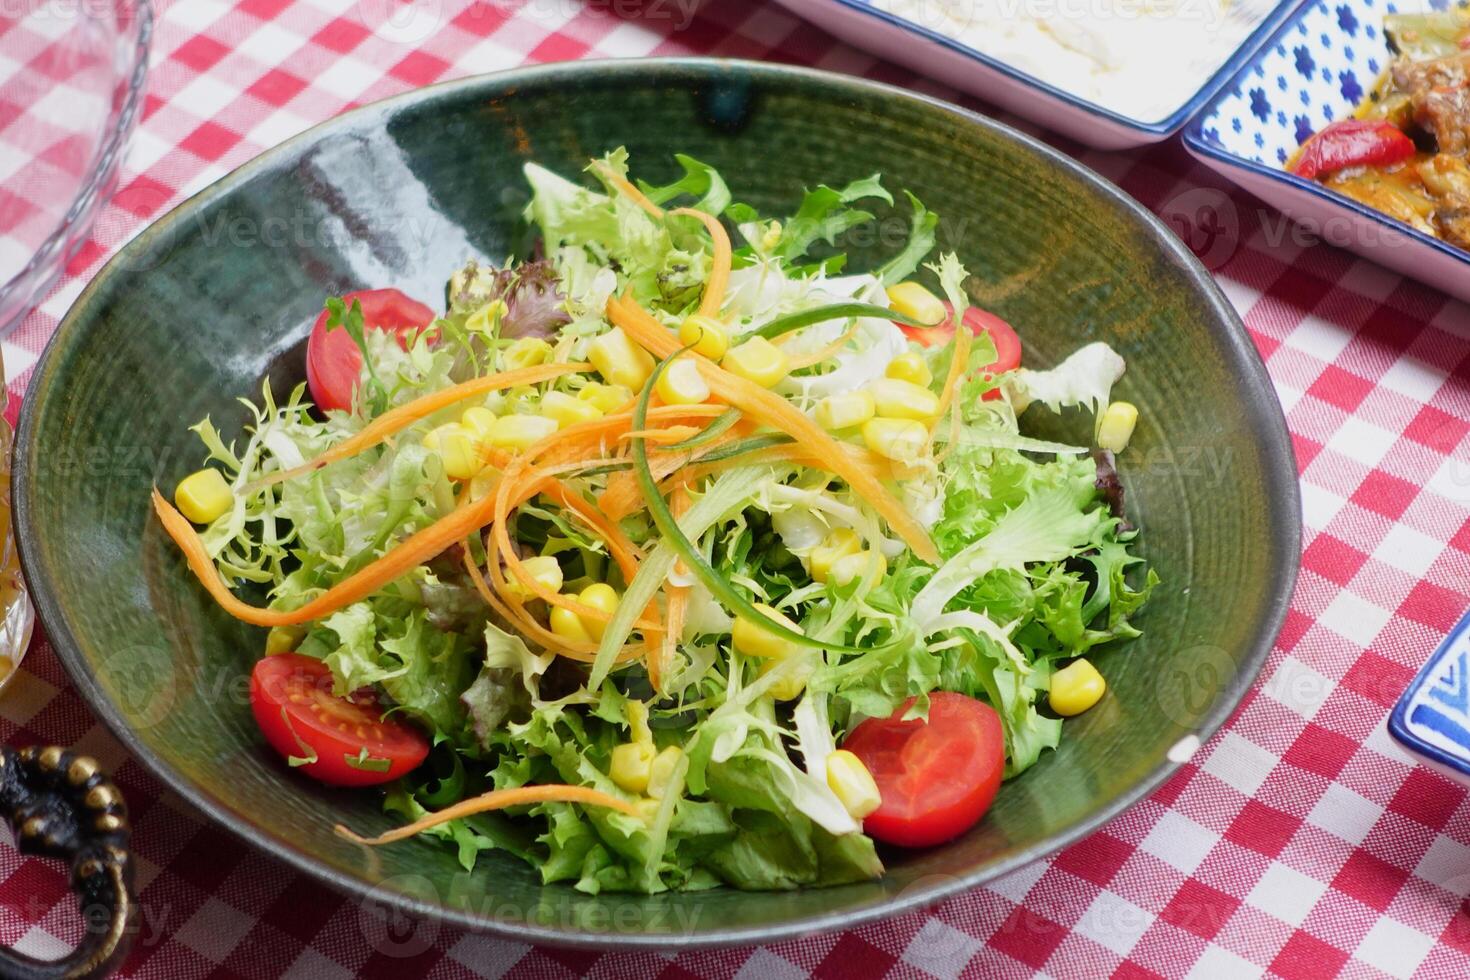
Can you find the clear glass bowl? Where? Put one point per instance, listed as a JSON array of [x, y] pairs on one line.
[[71, 89]]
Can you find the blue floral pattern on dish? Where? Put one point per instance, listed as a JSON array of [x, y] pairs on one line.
[[1319, 69], [1433, 717]]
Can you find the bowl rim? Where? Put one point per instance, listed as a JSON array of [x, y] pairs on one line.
[[28, 285], [1208, 149], [1159, 129], [1283, 507]]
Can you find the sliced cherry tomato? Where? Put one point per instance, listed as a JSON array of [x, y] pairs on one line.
[[1352, 143], [291, 697], [333, 362], [1007, 344], [936, 776]]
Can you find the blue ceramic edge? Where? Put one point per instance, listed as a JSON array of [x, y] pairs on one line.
[[1282, 14], [1397, 720], [1196, 142]]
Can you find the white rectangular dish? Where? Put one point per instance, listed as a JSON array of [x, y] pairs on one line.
[[1108, 73]]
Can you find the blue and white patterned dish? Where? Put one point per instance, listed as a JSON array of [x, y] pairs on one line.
[[1432, 719], [921, 43], [1317, 68]]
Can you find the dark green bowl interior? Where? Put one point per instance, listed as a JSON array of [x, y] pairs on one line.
[[217, 296]]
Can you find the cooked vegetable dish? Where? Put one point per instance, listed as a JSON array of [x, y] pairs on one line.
[[665, 562], [1404, 153]]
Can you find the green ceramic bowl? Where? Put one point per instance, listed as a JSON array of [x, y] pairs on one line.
[[217, 296]]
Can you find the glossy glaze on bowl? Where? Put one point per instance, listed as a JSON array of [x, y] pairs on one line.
[[182, 322]]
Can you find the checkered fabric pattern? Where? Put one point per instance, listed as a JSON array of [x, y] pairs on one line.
[[1298, 843]]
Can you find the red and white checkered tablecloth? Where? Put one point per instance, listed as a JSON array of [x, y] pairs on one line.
[[1299, 843]]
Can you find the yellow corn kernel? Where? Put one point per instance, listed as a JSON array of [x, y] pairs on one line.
[[605, 398], [849, 568], [910, 367], [758, 360], [1116, 427], [845, 410], [526, 352], [619, 360], [478, 421], [792, 682], [661, 772], [771, 237], [754, 640], [704, 335], [516, 432], [1076, 687], [911, 299], [204, 496], [456, 450], [568, 625], [681, 384], [602, 596], [901, 440], [850, 780], [839, 543], [283, 639], [483, 319], [632, 764], [895, 399], [544, 569], [565, 410]]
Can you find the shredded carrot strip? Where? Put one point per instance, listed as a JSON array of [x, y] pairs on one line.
[[719, 272], [674, 433], [628, 190], [411, 552], [496, 800], [963, 339], [403, 416], [662, 659]]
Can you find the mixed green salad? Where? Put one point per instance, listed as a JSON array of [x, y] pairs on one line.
[[673, 553]]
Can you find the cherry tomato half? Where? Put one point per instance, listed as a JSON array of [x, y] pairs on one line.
[[291, 697], [1007, 344], [936, 776], [333, 362]]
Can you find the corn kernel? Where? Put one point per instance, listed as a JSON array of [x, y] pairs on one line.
[[1116, 427], [456, 449], [865, 564], [565, 410], [845, 410], [758, 360], [619, 360], [204, 496], [478, 421], [771, 237], [754, 640], [704, 335], [283, 639], [568, 625], [526, 352], [632, 764], [663, 770], [850, 780], [681, 384], [910, 367], [895, 399], [519, 431], [793, 680], [600, 596], [839, 543], [901, 440], [913, 300], [605, 398], [1076, 687], [544, 569]]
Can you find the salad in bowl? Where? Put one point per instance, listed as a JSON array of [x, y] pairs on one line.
[[673, 554]]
